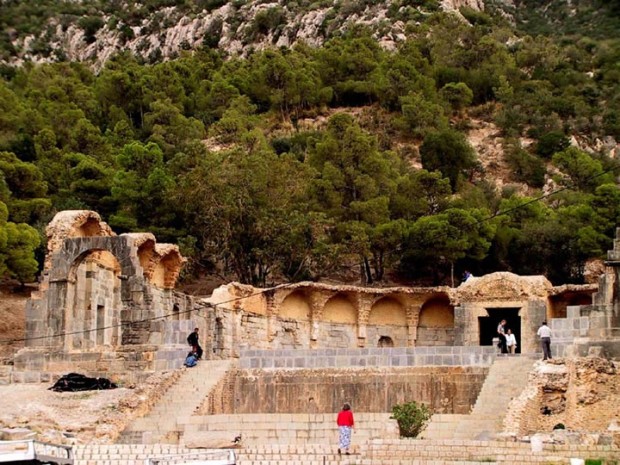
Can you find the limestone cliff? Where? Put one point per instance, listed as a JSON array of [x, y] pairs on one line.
[[235, 27]]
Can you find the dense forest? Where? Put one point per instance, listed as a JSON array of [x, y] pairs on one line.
[[345, 161]]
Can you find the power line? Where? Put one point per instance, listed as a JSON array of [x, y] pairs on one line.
[[145, 320], [284, 285]]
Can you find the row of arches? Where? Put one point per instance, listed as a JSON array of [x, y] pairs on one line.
[[388, 310]]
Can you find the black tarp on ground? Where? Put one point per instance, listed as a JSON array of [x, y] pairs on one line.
[[78, 382]]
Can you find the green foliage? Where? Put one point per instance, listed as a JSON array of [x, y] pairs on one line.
[[299, 163], [550, 143], [90, 25], [411, 418], [448, 152], [525, 166]]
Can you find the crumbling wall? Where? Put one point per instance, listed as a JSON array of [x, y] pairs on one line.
[[580, 393]]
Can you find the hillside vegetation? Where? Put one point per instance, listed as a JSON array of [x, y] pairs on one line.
[[346, 160]]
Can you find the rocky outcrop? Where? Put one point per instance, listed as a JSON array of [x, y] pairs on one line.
[[580, 394], [234, 29]]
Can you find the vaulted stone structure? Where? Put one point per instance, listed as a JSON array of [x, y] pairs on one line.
[[105, 302], [107, 307], [315, 315]]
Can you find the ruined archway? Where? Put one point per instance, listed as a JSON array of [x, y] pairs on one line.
[[338, 325], [166, 269], [387, 321], [295, 306], [436, 323], [93, 301]]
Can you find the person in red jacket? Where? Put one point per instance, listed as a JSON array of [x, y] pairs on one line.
[[345, 426]]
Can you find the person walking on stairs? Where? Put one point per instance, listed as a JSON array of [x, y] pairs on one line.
[[544, 332], [345, 426]]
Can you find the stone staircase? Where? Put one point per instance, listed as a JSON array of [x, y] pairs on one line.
[[506, 379], [165, 423], [284, 429]]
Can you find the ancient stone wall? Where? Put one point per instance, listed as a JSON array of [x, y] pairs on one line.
[[444, 389], [314, 316]]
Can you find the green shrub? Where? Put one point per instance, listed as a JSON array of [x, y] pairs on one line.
[[411, 418], [594, 462]]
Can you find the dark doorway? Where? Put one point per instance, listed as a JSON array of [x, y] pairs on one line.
[[488, 325], [386, 341], [100, 324]]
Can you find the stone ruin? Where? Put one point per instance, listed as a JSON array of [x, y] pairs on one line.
[[107, 307], [106, 304]]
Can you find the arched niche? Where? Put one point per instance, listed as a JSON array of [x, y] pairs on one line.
[[436, 323], [295, 306], [93, 301], [166, 270], [437, 313], [339, 309], [388, 311], [91, 227]]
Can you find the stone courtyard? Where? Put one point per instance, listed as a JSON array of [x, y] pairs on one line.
[[280, 362]]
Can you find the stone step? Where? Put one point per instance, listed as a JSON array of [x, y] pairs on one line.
[[165, 422]]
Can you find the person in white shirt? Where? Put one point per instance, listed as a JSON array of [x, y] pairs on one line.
[[545, 339], [511, 341]]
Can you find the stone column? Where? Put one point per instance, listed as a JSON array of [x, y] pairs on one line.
[[460, 324], [364, 305], [413, 318], [318, 299]]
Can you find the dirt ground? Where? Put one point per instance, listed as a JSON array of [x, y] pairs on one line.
[[93, 417]]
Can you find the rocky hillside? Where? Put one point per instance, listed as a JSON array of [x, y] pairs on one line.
[[91, 32]]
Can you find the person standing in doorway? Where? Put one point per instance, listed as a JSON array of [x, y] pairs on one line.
[[501, 333], [345, 427], [544, 332], [192, 340], [511, 341]]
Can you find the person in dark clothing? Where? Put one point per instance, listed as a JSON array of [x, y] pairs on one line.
[[192, 340], [501, 333]]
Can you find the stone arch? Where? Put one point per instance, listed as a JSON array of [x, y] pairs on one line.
[[93, 299], [340, 309], [388, 311], [436, 322], [70, 224], [296, 306], [437, 312], [387, 323], [167, 268], [385, 341], [74, 248], [145, 243]]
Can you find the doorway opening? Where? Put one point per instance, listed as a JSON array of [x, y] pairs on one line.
[[488, 325], [385, 341]]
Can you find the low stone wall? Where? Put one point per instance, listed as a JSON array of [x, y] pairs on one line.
[[370, 357], [381, 451], [445, 389]]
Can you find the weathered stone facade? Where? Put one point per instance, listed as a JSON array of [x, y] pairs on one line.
[[314, 315], [106, 304]]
